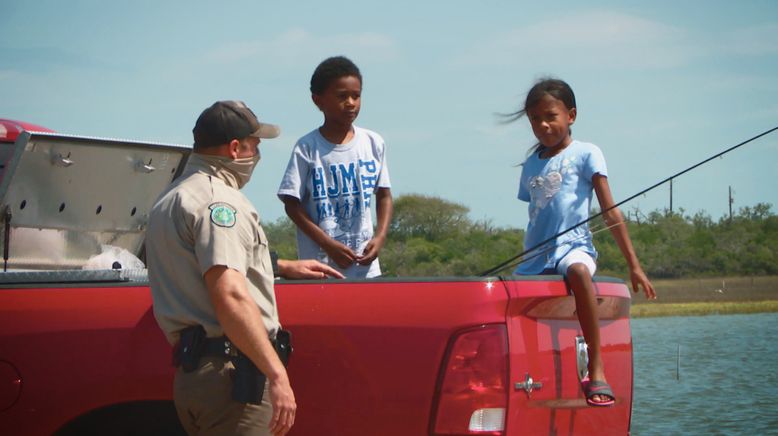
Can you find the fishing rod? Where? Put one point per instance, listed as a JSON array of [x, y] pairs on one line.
[[510, 261], [544, 250]]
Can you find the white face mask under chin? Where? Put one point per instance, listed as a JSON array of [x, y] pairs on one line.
[[242, 168], [235, 173]]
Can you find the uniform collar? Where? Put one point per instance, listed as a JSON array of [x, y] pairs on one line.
[[212, 166]]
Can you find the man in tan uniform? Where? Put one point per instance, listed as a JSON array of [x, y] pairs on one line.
[[211, 277]]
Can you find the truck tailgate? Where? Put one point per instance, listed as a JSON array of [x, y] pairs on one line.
[[547, 358]]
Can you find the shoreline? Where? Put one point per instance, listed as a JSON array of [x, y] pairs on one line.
[[650, 310], [709, 296]]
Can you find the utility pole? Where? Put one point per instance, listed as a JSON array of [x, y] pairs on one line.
[[730, 203], [671, 196]]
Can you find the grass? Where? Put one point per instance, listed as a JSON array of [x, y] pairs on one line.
[[692, 309], [709, 296]]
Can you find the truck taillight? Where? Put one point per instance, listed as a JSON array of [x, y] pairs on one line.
[[10, 385], [472, 396]]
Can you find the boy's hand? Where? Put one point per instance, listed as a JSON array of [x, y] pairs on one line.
[[343, 256], [371, 250], [638, 277]]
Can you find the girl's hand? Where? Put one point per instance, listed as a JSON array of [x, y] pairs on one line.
[[638, 277], [371, 251], [340, 253]]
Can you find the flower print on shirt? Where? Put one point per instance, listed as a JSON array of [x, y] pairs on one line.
[[544, 187]]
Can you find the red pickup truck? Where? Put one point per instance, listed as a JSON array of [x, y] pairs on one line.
[[81, 353]]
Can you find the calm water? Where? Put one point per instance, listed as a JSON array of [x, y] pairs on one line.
[[728, 375]]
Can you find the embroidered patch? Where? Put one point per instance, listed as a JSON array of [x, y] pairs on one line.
[[222, 214]]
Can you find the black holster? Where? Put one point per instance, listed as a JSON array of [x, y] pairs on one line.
[[190, 348], [248, 382]]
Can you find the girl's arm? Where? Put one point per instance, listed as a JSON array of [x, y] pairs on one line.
[[614, 218]]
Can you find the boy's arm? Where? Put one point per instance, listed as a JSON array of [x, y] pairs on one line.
[[384, 209], [615, 221], [340, 253]]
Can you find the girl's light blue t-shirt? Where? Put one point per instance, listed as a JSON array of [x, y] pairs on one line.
[[559, 192]]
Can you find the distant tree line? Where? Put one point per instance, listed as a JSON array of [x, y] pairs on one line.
[[672, 245], [433, 237]]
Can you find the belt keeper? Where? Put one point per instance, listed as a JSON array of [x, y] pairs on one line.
[[229, 349]]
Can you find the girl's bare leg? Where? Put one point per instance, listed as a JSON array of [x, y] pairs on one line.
[[586, 307]]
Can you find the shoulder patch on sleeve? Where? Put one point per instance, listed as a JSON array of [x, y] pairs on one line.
[[222, 214]]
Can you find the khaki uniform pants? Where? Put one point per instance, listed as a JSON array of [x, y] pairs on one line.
[[205, 407]]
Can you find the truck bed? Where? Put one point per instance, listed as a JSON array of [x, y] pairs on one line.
[[369, 354]]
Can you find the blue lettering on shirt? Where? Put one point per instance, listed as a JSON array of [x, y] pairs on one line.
[[334, 190], [368, 178], [369, 165], [368, 184], [349, 178], [332, 193], [318, 183]]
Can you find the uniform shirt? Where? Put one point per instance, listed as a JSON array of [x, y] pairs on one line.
[[201, 221], [335, 185], [559, 192]]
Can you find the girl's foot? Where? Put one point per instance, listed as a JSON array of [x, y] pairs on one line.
[[598, 393]]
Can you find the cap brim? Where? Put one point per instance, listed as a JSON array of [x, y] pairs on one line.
[[267, 131]]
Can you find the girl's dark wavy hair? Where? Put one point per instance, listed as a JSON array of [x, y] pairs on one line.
[[332, 69], [556, 88]]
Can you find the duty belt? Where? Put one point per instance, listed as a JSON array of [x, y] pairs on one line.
[[247, 381], [194, 343], [219, 347]]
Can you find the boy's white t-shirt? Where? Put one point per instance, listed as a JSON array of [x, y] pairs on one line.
[[335, 184]]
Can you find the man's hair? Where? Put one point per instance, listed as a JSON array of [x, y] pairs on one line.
[[332, 69]]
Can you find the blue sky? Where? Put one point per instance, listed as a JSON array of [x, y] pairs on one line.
[[660, 85]]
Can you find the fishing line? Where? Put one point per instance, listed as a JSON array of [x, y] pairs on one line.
[[553, 246], [523, 253]]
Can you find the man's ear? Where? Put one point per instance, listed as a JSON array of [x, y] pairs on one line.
[[572, 113], [233, 147]]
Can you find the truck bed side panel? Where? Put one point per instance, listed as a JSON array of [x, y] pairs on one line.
[[367, 355], [78, 349]]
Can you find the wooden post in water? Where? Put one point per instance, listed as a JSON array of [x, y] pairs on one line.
[[678, 363]]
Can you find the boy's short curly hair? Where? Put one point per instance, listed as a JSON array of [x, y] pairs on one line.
[[331, 69]]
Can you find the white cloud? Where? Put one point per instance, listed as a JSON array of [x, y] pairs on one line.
[[752, 41], [764, 81], [298, 46], [616, 40], [591, 39], [9, 74]]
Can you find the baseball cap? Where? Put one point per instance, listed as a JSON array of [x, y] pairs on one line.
[[227, 120]]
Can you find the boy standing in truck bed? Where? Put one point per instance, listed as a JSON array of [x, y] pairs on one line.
[[332, 175]]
